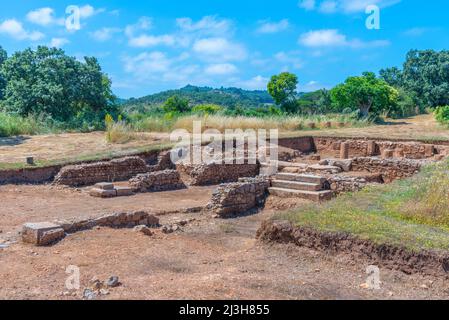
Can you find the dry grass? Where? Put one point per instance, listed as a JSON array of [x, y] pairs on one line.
[[120, 133], [286, 123]]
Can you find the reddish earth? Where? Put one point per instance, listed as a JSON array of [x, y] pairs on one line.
[[208, 259]]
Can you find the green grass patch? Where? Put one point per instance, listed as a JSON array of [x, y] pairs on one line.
[[413, 213]]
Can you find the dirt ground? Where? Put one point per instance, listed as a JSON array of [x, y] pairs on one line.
[[207, 259], [28, 203], [69, 146], [76, 145]]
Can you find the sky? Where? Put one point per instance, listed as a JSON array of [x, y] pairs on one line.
[[154, 45]]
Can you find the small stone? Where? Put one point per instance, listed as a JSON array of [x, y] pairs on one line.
[[424, 287], [104, 292], [143, 229], [167, 229], [390, 294], [89, 294], [113, 282], [364, 286], [96, 284]]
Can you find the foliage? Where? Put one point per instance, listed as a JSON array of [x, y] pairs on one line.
[[317, 102], [367, 94], [442, 115], [393, 76], [176, 104], [3, 57], [14, 125], [282, 88], [207, 109], [46, 81], [227, 97]]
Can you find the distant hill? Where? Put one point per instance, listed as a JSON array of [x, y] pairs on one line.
[[226, 97]]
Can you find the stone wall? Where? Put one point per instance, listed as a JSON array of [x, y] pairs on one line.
[[390, 169], [341, 183], [303, 144], [330, 147], [157, 181], [211, 174], [47, 233], [239, 197], [110, 171]]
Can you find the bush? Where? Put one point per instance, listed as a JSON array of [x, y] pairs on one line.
[[13, 125], [442, 115]]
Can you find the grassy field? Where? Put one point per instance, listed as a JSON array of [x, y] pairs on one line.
[[72, 147], [413, 212]]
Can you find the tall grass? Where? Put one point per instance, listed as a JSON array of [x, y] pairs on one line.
[[13, 125], [221, 122]]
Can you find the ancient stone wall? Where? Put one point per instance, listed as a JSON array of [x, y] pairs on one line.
[[390, 169], [157, 181], [210, 174], [331, 147], [341, 183], [303, 144], [110, 171], [239, 197]]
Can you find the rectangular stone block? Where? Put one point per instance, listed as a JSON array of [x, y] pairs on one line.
[[344, 150], [42, 234], [100, 193], [104, 186], [123, 191]]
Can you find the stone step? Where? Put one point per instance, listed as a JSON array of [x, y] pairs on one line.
[[305, 186], [316, 196], [300, 178]]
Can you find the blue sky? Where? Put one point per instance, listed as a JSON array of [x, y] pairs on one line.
[[154, 45]]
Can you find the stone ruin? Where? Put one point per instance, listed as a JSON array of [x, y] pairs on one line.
[[157, 181], [239, 197]]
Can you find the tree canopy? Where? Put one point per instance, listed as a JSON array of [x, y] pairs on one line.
[[282, 88], [3, 57], [176, 104], [46, 81], [367, 94]]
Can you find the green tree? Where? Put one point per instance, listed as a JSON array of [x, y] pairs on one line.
[[392, 76], [282, 88], [175, 104], [207, 109], [426, 73], [367, 94], [3, 57], [46, 81]]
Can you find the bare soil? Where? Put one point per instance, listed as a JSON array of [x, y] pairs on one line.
[[208, 259]]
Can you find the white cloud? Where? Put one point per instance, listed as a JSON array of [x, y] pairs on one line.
[[104, 34], [219, 49], [333, 38], [88, 11], [144, 24], [145, 41], [14, 29], [307, 4], [58, 42], [147, 62], [208, 25], [44, 17], [273, 27], [221, 69], [323, 38], [417, 32], [345, 6]]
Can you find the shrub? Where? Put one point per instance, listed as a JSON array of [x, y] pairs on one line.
[[442, 115]]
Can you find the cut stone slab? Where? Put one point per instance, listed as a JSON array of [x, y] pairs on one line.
[[100, 193], [300, 178], [124, 191], [305, 186], [316, 196], [328, 168], [42, 234], [104, 186]]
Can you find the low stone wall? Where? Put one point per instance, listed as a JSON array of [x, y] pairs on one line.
[[390, 169], [303, 144], [211, 174], [47, 233], [340, 183], [157, 181], [239, 197], [110, 171], [29, 175]]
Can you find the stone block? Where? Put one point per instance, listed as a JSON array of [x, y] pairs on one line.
[[124, 191], [100, 193], [42, 234], [344, 150], [104, 186]]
